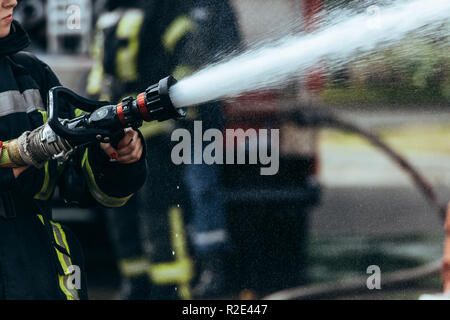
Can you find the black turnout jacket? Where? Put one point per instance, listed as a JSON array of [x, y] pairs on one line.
[[88, 179]]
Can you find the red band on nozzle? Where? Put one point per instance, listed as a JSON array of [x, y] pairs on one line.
[[120, 114], [143, 107]]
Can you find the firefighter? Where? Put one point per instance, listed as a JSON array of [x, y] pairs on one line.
[[163, 37], [40, 258], [131, 53]]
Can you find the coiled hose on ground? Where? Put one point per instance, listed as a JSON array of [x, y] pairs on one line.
[[323, 118]]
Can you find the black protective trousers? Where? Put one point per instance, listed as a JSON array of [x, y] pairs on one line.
[[30, 266]]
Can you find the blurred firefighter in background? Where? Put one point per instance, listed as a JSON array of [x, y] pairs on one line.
[[138, 43]]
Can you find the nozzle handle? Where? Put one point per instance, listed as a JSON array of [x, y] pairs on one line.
[[77, 136], [158, 104]]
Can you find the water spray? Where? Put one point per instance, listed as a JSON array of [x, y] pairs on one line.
[[256, 69], [272, 65]]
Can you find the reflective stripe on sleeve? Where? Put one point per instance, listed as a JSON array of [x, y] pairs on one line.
[[13, 101], [179, 28], [127, 57], [49, 184], [44, 116], [45, 192], [96, 192]]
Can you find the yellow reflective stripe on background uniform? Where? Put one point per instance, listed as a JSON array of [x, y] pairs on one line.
[[96, 192], [179, 244], [151, 129], [180, 27], [65, 260], [178, 237], [182, 71], [181, 271], [127, 57], [134, 267], [95, 77]]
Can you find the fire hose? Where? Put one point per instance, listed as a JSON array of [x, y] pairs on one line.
[[325, 118]]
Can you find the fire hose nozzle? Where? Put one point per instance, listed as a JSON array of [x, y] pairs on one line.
[[102, 123], [157, 102], [154, 104]]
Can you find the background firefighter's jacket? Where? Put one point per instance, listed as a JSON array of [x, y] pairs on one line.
[[136, 47]]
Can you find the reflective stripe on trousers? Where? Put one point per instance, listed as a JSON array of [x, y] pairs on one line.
[[64, 259], [180, 272]]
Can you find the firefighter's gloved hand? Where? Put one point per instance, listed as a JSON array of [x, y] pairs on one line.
[[35, 148], [16, 171], [129, 150]]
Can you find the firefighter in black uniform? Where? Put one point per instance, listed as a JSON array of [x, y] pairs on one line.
[[138, 44], [131, 51], [40, 258]]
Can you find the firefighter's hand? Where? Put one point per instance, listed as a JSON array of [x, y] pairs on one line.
[[129, 149]]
